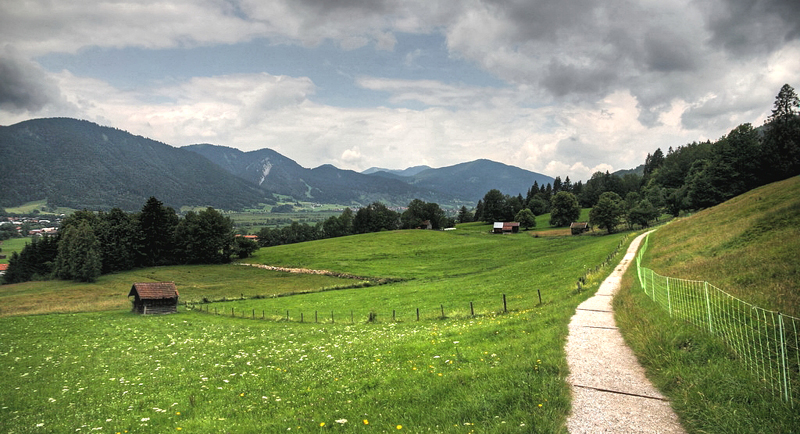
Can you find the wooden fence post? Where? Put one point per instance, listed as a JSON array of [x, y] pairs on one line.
[[417, 314], [505, 306], [471, 309]]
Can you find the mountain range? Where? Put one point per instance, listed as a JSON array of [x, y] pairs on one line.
[[80, 164]]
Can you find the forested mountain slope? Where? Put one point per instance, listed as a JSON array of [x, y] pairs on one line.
[[80, 164]]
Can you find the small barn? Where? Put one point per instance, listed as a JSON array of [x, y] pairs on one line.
[[154, 297], [505, 227], [578, 228]]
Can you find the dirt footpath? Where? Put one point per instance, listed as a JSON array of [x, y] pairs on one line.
[[610, 391]]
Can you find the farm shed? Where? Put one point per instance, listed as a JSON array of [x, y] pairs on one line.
[[505, 227], [578, 228], [154, 297]]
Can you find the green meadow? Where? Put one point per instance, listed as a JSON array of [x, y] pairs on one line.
[[97, 367], [12, 245]]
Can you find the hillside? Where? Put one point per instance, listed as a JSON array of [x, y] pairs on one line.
[[746, 246], [79, 164]]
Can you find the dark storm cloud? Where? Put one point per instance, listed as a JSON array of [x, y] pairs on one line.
[[561, 79], [752, 26], [23, 84]]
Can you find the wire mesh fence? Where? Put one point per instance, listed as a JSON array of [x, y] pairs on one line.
[[766, 342]]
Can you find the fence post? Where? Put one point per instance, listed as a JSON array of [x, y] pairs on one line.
[[783, 359], [301, 316], [417, 314], [471, 310], [708, 308], [669, 299], [315, 316], [505, 307], [287, 315], [232, 314], [393, 319], [539, 291], [442, 306]]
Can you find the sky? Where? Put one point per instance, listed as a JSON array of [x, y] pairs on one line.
[[563, 88]]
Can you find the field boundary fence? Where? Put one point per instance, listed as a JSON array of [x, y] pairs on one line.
[[767, 343], [351, 316]]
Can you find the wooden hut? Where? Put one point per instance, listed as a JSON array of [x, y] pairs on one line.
[[578, 228], [154, 297]]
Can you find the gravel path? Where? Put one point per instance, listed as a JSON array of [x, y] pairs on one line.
[[610, 391]]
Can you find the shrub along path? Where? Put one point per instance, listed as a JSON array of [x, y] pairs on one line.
[[610, 391]]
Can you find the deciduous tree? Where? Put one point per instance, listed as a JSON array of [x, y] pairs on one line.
[[564, 209], [608, 211]]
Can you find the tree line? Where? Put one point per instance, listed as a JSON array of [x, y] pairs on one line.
[[89, 244], [374, 217], [690, 177]]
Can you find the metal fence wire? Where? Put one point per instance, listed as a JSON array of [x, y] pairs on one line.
[[766, 342]]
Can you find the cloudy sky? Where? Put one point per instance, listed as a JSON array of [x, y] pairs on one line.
[[563, 87]]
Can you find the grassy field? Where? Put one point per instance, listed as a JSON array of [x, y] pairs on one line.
[[41, 206], [747, 247], [494, 372], [12, 245], [194, 283]]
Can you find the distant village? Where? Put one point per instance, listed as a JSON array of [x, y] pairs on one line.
[[32, 226]]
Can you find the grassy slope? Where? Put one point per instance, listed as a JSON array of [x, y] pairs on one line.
[[746, 246], [500, 372], [738, 247]]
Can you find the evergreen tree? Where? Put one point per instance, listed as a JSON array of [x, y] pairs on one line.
[[782, 138], [479, 211], [464, 216], [119, 240], [157, 225]]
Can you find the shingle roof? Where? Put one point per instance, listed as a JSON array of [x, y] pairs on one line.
[[154, 290]]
